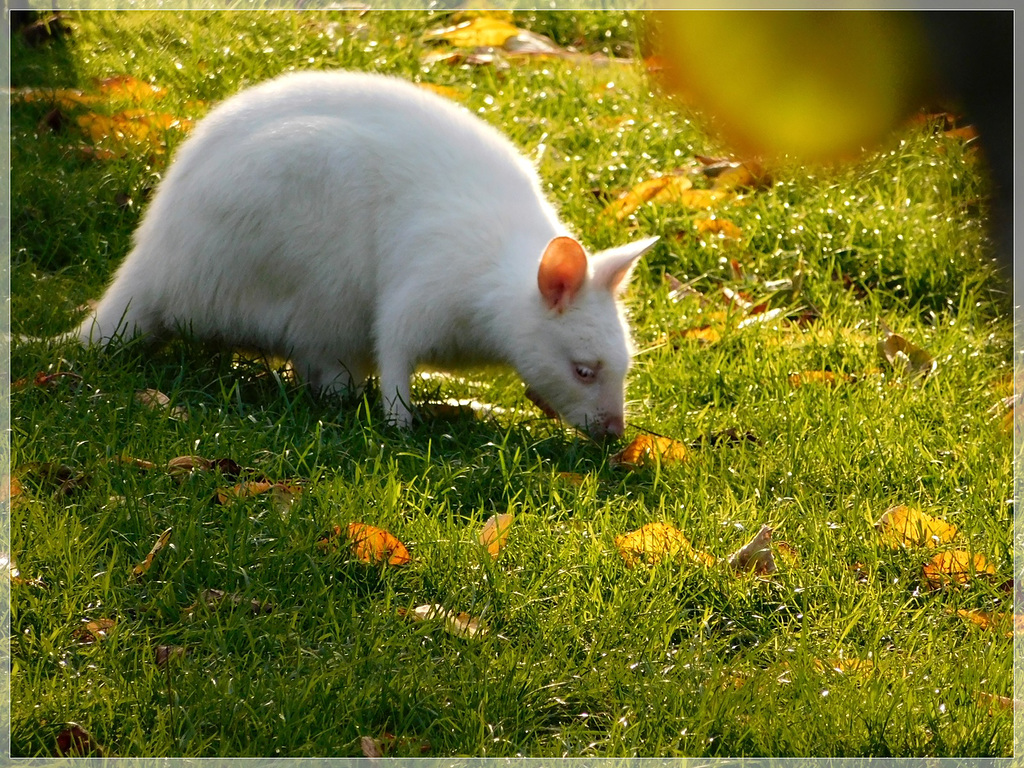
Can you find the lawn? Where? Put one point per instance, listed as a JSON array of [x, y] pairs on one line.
[[822, 348]]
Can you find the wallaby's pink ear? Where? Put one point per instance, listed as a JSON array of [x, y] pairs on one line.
[[563, 270], [613, 267]]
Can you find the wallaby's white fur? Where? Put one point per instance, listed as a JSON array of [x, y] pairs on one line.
[[358, 224]]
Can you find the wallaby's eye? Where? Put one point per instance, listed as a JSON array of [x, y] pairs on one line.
[[585, 373]]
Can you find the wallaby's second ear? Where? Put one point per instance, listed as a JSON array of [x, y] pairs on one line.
[[612, 268], [562, 272]]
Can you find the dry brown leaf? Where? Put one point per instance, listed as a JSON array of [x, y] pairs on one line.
[[284, 495], [93, 631], [903, 526], [132, 461], [370, 747], [755, 555], [45, 380], [181, 467], [965, 133], [458, 624], [648, 449], [375, 545], [495, 532], [527, 43], [955, 567], [217, 598], [156, 400], [161, 542], [13, 488], [74, 741], [907, 359], [168, 653], [992, 701], [656, 541], [574, 478]]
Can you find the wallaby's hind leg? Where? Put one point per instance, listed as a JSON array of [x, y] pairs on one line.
[[118, 315], [328, 376]]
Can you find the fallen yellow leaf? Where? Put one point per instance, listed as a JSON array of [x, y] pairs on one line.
[[842, 666], [704, 334], [483, 31], [955, 567], [656, 541], [816, 377], [721, 227], [658, 189], [442, 90], [903, 526], [495, 532], [375, 545]]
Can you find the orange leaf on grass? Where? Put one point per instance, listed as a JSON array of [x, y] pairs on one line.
[[994, 620], [243, 490], [133, 128], [375, 545], [68, 98], [955, 568], [647, 449], [126, 86]]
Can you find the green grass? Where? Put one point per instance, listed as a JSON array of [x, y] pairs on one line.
[[584, 655]]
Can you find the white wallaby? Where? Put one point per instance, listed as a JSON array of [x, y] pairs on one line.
[[359, 224]]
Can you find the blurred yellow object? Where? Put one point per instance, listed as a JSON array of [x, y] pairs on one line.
[[813, 85]]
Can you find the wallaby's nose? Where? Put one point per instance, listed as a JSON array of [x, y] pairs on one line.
[[614, 426]]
